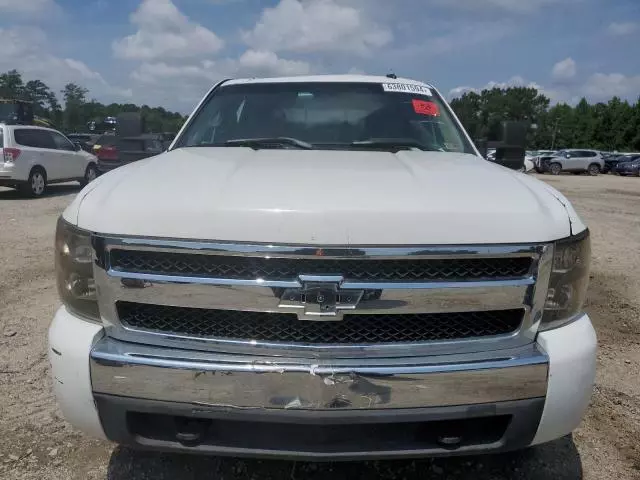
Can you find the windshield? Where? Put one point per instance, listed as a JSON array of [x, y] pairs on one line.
[[325, 116]]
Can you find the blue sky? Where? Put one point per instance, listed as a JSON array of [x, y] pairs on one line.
[[169, 52]]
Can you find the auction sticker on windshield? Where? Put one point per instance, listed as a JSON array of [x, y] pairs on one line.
[[406, 88], [425, 108]]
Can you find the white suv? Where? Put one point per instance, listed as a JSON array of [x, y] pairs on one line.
[[33, 157], [574, 161]]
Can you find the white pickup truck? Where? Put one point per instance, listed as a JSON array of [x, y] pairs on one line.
[[322, 268]]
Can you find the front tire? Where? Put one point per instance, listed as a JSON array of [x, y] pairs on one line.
[[36, 185], [90, 174], [555, 169], [594, 169]]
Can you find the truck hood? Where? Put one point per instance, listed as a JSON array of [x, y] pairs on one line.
[[321, 197]]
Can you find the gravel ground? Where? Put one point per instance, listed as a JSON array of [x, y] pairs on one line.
[[36, 443]]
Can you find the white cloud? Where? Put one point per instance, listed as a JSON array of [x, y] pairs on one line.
[[25, 49], [268, 63], [180, 86], [603, 86], [31, 7], [597, 87], [250, 63], [176, 72], [317, 26], [164, 32], [564, 70], [513, 6], [622, 28]]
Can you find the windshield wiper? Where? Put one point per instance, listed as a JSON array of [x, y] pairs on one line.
[[257, 143], [391, 144]]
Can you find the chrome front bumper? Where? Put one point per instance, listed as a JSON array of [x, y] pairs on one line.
[[219, 404], [250, 382]]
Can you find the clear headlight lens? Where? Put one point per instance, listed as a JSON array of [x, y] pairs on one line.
[[74, 270], [568, 282]]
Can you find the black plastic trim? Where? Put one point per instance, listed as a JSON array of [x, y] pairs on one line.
[[115, 414]]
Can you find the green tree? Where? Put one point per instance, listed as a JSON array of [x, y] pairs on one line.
[[11, 85], [481, 113], [634, 141], [75, 98], [44, 100]]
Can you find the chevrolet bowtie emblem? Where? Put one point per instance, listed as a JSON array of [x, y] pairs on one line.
[[320, 300]]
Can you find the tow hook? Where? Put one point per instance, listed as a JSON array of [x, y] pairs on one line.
[[190, 432], [449, 442]]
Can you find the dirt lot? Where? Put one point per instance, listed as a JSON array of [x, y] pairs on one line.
[[36, 443]]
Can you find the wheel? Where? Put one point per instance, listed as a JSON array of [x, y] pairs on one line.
[[89, 175], [594, 169], [555, 168], [36, 184]]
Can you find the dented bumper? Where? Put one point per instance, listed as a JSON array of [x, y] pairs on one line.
[[236, 382], [197, 402]]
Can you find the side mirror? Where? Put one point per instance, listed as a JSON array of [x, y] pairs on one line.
[[78, 146], [510, 140]]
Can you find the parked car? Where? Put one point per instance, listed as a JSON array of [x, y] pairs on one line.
[[539, 156], [85, 140], [614, 160], [33, 157], [312, 272], [528, 164], [630, 165], [574, 161], [529, 161], [114, 151]]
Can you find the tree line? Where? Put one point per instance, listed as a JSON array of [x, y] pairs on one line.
[[610, 126], [76, 110]]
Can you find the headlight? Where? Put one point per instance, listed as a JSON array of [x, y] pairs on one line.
[[74, 270], [568, 282]]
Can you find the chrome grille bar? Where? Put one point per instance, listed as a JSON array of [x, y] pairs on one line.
[[526, 292]]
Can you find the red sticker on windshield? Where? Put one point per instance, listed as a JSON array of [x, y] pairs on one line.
[[425, 108]]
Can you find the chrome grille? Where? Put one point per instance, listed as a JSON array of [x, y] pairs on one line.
[[410, 301], [369, 270], [283, 327]]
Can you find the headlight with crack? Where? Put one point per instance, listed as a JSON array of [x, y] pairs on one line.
[[74, 270], [568, 281]]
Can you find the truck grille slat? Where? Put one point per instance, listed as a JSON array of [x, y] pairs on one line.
[[286, 328], [371, 270]]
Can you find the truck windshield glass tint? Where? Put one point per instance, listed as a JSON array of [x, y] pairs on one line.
[[325, 115]]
